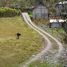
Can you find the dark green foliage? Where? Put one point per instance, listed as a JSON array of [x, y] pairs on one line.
[[8, 12], [65, 39]]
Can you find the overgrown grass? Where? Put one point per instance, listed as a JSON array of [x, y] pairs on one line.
[[12, 51], [41, 21], [44, 64]]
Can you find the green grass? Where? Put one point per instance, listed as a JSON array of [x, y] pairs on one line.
[[12, 51], [57, 33], [44, 64]]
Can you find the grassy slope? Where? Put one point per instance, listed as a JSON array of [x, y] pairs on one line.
[[13, 51]]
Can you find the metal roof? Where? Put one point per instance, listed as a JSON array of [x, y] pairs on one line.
[[57, 20], [64, 2]]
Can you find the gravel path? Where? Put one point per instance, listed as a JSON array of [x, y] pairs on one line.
[[44, 34]]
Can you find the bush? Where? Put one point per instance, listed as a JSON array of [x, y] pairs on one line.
[[65, 39], [9, 12]]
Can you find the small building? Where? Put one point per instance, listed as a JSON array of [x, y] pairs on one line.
[[61, 8], [56, 23], [40, 11]]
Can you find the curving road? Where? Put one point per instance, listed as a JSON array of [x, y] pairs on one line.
[[48, 42], [44, 34]]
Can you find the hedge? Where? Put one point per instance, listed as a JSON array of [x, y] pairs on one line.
[[9, 12]]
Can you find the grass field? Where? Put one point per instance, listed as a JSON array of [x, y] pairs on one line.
[[12, 51]]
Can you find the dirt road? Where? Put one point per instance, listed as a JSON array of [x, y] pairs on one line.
[[44, 34]]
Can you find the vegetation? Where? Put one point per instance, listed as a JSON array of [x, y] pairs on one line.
[[15, 51], [26, 3], [29, 3], [43, 64], [65, 38], [8, 12], [41, 21]]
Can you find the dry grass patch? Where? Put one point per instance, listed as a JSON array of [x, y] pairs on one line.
[[41, 21]]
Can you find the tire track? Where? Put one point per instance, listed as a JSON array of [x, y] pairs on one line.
[[60, 45], [25, 16]]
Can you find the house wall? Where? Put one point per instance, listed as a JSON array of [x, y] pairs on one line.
[[61, 8], [40, 12], [56, 25]]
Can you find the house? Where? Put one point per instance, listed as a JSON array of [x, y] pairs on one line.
[[61, 8], [40, 11], [56, 23]]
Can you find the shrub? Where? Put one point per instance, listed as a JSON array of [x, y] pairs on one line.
[[65, 39], [9, 12]]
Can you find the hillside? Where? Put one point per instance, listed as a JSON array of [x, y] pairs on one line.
[[15, 51]]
